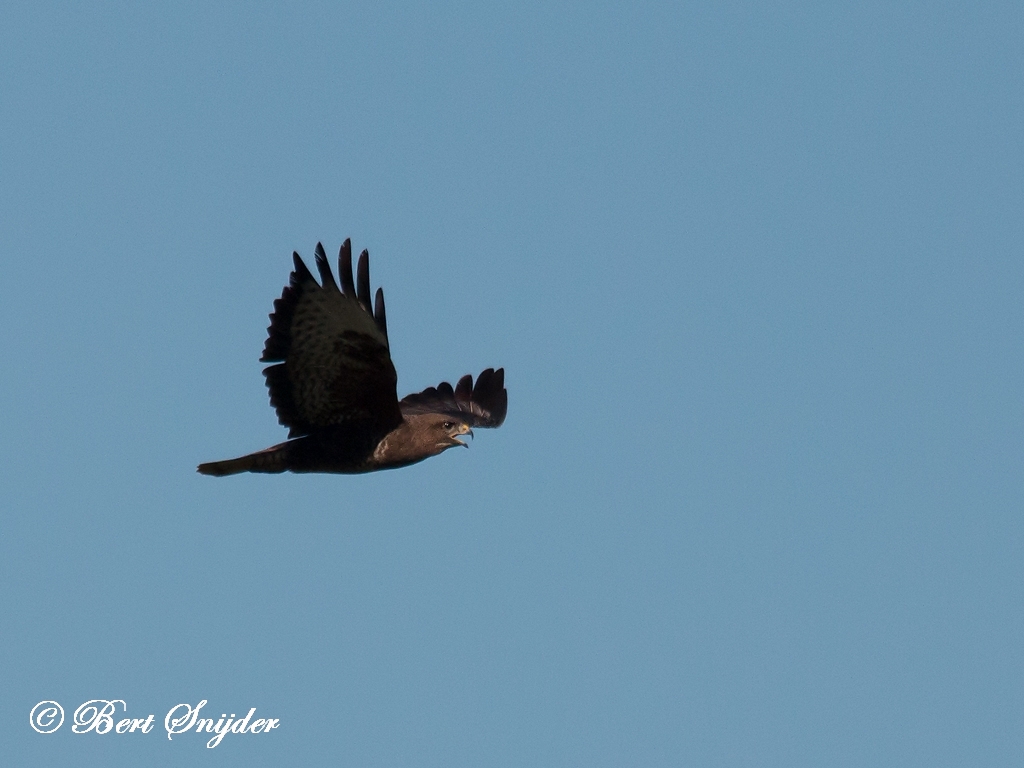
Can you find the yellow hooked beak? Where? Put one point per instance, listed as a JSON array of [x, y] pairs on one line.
[[463, 430]]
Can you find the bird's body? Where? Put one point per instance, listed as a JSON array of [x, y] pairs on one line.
[[334, 386]]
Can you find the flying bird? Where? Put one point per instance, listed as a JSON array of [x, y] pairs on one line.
[[333, 384]]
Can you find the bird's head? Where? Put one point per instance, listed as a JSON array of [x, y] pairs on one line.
[[427, 434], [446, 430]]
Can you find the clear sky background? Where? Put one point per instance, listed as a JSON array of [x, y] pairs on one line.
[[754, 272]]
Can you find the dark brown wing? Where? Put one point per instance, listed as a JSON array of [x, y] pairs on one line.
[[483, 405], [331, 348]]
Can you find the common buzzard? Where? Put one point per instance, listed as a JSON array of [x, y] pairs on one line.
[[333, 384]]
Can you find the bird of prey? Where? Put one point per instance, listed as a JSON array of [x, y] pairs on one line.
[[333, 384]]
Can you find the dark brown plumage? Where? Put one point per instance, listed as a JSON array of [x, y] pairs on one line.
[[333, 384]]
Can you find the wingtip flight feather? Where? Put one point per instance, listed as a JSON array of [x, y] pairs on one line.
[[363, 281], [380, 313], [301, 273], [345, 268], [324, 267]]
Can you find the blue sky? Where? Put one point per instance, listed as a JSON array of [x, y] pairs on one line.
[[754, 272]]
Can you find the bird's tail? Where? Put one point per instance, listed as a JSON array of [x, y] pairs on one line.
[[273, 459]]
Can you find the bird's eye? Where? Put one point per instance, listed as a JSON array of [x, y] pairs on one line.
[[448, 425]]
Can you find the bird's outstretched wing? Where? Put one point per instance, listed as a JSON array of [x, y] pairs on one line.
[[333, 365], [483, 405]]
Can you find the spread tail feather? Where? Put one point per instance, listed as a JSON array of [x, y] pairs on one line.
[[273, 459]]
